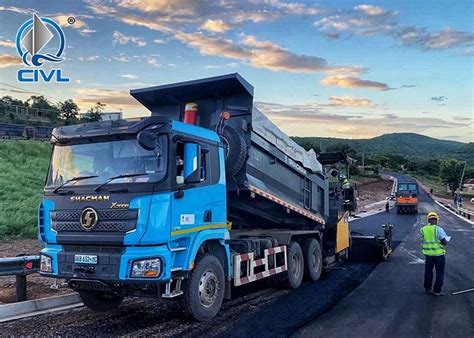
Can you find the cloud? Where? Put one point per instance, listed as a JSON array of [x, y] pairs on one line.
[[176, 7], [444, 39], [89, 58], [150, 24], [216, 26], [87, 31], [122, 58], [408, 86], [79, 24], [62, 21], [152, 61], [353, 82], [260, 54], [16, 10], [439, 98], [373, 10], [462, 118], [8, 43], [129, 76], [112, 98], [368, 20], [349, 101], [310, 120], [122, 39], [159, 41], [7, 60]]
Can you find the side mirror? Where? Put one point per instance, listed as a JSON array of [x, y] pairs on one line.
[[147, 140], [192, 163]]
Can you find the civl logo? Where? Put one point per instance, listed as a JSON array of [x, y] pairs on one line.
[[31, 39]]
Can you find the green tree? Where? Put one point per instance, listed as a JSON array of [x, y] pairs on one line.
[[94, 113], [69, 111], [450, 172], [42, 104], [9, 101]]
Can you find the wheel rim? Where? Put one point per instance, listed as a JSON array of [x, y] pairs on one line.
[[296, 265], [315, 259], [208, 288]]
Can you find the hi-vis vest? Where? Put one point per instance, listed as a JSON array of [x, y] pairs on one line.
[[346, 184], [431, 244]]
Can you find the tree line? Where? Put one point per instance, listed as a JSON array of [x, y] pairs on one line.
[[449, 171], [63, 112]]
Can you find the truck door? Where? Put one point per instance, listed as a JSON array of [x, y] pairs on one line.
[[199, 202]]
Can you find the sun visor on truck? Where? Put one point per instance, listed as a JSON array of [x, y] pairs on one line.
[[212, 95]]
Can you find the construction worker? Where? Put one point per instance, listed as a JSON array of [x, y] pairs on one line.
[[434, 240], [345, 182]]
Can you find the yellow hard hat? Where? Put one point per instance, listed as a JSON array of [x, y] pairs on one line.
[[431, 215]]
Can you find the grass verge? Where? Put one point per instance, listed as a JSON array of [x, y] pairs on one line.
[[23, 167]]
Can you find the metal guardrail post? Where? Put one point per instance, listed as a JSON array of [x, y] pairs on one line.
[[20, 288], [20, 267]]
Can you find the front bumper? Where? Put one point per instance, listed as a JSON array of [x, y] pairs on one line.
[[114, 263]]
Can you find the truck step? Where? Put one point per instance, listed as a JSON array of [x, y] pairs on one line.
[[176, 292]]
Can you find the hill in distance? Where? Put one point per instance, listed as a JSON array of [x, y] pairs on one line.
[[410, 145]]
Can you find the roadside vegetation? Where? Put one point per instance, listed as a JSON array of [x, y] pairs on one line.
[[438, 164], [23, 166]]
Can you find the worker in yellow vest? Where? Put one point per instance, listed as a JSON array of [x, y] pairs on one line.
[[434, 240]]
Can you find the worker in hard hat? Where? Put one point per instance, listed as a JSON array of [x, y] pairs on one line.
[[434, 240], [345, 182]]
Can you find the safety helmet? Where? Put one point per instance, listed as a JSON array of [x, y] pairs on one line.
[[431, 215]]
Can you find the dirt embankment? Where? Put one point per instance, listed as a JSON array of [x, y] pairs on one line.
[[373, 190], [37, 286]]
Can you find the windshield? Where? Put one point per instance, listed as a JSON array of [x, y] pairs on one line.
[[106, 160], [407, 187]]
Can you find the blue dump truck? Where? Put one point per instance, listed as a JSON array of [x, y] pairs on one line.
[[204, 195]]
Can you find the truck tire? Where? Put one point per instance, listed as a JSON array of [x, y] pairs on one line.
[[204, 289], [235, 150], [100, 301], [313, 258], [293, 277]]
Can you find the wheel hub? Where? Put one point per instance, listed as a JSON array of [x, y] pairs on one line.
[[208, 288], [296, 266]]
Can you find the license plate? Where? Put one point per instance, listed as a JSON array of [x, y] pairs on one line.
[[85, 259]]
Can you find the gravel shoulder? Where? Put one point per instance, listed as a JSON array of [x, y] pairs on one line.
[[37, 286]]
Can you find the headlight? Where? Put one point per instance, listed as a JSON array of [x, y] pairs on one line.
[[45, 265], [146, 268]]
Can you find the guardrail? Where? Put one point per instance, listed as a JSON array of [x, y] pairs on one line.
[[20, 267], [466, 213]]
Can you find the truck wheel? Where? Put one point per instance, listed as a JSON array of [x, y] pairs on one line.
[[236, 150], [204, 290], [293, 277], [313, 258], [100, 301]]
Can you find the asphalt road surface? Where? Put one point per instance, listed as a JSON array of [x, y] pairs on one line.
[[337, 305], [391, 301]]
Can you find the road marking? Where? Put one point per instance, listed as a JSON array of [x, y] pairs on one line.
[[415, 259]]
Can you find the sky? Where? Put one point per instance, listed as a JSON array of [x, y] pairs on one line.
[[331, 68]]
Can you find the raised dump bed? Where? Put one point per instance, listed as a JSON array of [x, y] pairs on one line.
[[272, 182]]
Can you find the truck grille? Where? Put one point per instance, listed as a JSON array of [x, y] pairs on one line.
[[119, 220]]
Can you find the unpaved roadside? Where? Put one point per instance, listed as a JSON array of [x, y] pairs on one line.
[[37, 286], [373, 190]]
